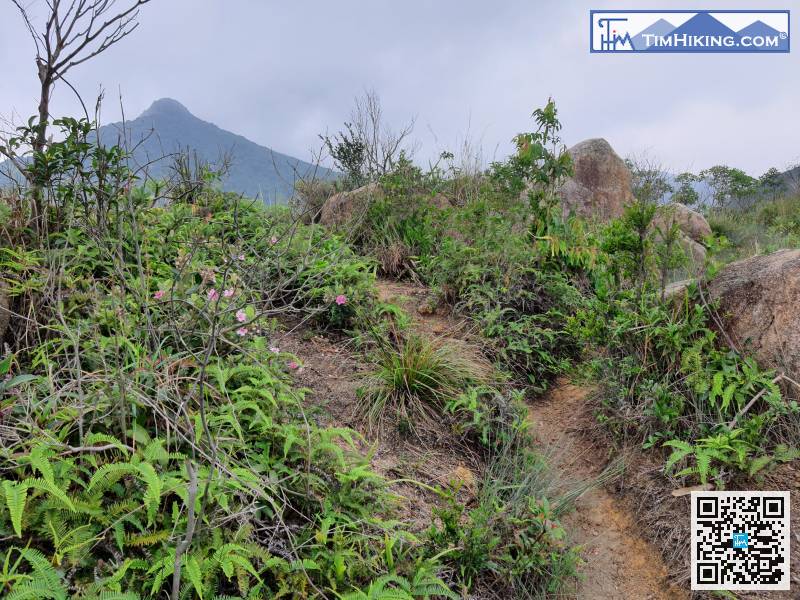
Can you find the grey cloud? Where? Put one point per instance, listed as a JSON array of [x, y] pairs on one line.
[[281, 72]]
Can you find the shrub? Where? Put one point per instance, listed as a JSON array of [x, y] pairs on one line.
[[669, 381], [151, 431], [511, 542]]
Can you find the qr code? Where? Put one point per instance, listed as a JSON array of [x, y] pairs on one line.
[[740, 541]]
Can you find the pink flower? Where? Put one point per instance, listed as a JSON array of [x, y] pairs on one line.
[[159, 294], [241, 257], [274, 349], [228, 293], [274, 240], [241, 332], [241, 316], [341, 299], [213, 295], [292, 365]]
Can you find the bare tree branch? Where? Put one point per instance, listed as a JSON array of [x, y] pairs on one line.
[[71, 35]]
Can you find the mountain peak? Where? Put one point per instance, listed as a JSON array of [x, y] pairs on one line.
[[168, 127], [166, 106]]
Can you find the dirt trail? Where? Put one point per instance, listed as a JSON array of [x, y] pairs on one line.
[[620, 564], [332, 372]]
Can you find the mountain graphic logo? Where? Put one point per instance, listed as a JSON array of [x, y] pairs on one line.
[[706, 31]]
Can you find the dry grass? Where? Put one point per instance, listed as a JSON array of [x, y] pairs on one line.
[[414, 378]]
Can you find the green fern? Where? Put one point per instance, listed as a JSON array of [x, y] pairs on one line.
[[387, 587], [42, 582], [109, 474], [94, 439], [147, 539], [682, 450], [191, 567], [152, 496], [39, 460], [16, 495]]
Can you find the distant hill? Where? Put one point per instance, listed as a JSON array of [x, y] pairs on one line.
[[791, 179], [168, 127]]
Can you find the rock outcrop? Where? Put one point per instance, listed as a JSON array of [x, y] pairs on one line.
[[695, 255], [345, 207], [758, 303], [441, 202], [348, 207], [691, 223], [677, 290], [601, 185], [693, 227]]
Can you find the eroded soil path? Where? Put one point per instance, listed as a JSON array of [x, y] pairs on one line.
[[332, 373], [620, 563]]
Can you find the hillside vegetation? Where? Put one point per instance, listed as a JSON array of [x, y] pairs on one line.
[[155, 441]]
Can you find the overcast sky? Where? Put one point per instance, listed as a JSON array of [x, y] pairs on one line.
[[279, 73]]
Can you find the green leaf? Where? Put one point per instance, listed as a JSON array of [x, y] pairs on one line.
[[39, 461], [19, 380], [5, 365], [152, 497], [192, 569], [16, 495], [759, 463], [682, 449], [727, 396], [703, 465]]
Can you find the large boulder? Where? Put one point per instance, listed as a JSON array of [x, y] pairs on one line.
[[691, 223], [600, 188], [693, 229], [346, 207], [441, 202], [695, 254], [759, 300], [677, 290]]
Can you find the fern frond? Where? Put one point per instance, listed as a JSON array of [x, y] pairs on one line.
[[147, 539], [51, 488], [94, 439], [16, 495], [46, 582], [152, 496], [108, 475]]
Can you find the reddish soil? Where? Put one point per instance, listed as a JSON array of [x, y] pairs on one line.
[[636, 529], [620, 563], [332, 371]]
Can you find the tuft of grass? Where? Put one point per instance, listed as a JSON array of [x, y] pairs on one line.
[[416, 376], [509, 541]]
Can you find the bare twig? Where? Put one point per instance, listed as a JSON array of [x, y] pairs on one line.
[[754, 399], [191, 521]]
